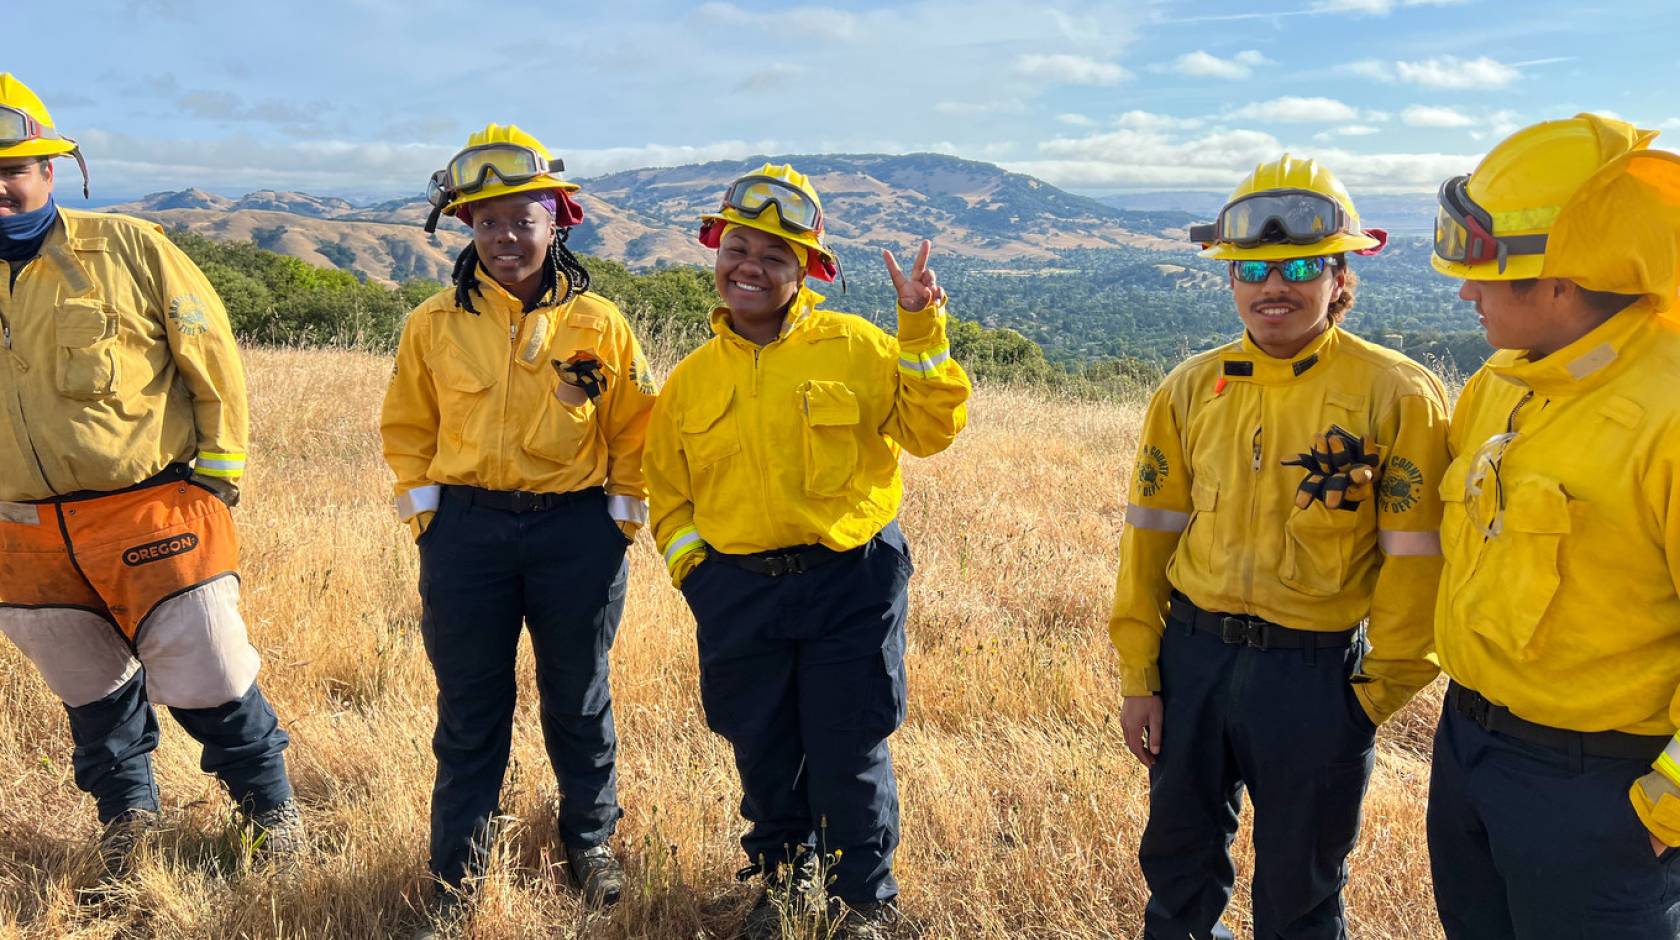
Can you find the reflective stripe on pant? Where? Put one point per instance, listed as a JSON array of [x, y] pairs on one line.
[[115, 737], [485, 574], [1526, 843], [804, 676], [1286, 725]]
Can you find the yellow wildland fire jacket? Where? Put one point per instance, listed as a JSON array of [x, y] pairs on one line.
[[1560, 599], [797, 442], [1212, 508], [119, 361], [473, 402]]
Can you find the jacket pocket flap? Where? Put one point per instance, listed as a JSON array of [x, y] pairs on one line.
[[1538, 508], [1451, 488], [82, 322], [1204, 495], [829, 404], [706, 411], [455, 370]]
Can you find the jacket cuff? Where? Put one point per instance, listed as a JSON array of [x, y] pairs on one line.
[[418, 500], [1657, 801], [689, 562], [922, 328], [628, 509], [1140, 681]]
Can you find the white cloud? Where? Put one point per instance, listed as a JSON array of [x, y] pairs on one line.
[[980, 108], [1419, 115], [1370, 68], [1294, 110], [1066, 69], [1671, 122], [1347, 130], [1202, 64], [1453, 72], [1075, 120], [1149, 120]]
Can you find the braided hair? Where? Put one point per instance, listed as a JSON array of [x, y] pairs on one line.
[[560, 261]]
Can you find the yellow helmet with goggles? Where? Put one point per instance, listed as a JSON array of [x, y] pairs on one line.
[[498, 161], [779, 200], [1583, 199], [1287, 208], [26, 129]]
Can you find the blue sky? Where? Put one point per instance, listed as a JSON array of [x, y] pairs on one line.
[[364, 98]]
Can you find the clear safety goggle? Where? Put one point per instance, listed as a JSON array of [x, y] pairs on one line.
[[470, 170], [1484, 491], [1289, 216], [1464, 231], [751, 195], [18, 126]]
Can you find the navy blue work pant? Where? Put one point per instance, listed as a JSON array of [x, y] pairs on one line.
[[1531, 843], [485, 574], [804, 676], [1285, 724], [115, 737]]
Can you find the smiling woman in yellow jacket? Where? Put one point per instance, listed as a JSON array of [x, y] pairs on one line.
[[514, 424], [1554, 798], [773, 465]]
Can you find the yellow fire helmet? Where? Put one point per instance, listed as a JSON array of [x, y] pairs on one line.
[[497, 161], [1287, 208], [780, 200], [26, 128], [1583, 199]]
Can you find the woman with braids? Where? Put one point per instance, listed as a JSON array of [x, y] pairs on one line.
[[514, 424]]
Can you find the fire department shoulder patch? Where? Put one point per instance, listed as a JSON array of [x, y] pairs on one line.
[[189, 315], [1402, 483], [1152, 470]]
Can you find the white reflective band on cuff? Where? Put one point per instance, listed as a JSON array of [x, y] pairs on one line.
[[1396, 544], [418, 500], [1156, 520], [226, 466], [687, 540], [627, 509], [1668, 762], [925, 363]]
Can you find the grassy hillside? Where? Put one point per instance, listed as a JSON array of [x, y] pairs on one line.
[[1022, 809]]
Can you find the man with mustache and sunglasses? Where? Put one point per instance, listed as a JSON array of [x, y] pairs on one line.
[[1555, 791], [1246, 585]]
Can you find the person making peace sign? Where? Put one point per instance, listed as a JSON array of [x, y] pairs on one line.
[[772, 466]]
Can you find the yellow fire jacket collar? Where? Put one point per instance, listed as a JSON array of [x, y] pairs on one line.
[[1246, 362], [1583, 364], [798, 313]]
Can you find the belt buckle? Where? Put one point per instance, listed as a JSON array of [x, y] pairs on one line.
[[1239, 631], [523, 501], [1475, 707], [778, 565]]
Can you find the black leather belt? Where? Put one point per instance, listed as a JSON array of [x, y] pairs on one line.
[[170, 474], [1498, 719], [518, 501], [1237, 630], [782, 561]]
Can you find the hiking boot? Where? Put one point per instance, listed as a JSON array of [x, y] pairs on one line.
[[120, 841], [764, 921], [445, 915], [596, 873], [873, 921], [278, 832], [784, 900]]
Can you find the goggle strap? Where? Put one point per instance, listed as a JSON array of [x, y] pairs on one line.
[[432, 219]]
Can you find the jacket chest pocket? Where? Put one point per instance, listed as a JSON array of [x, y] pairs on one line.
[[709, 437], [561, 429], [1518, 568], [1318, 546], [461, 385], [1201, 538], [86, 360], [830, 410]]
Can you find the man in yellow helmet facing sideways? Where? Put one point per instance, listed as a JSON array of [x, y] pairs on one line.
[[1554, 800], [122, 443], [1284, 496], [773, 465], [514, 424]]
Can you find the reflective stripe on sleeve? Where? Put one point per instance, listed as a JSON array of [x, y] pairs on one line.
[[1668, 762], [1397, 544], [686, 540], [627, 509], [222, 466], [1156, 520], [418, 500], [923, 365]]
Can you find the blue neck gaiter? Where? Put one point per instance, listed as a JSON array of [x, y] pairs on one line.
[[21, 235]]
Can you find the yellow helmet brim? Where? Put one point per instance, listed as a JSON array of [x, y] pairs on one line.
[[767, 222], [1517, 268], [1279, 251], [503, 189], [39, 148]]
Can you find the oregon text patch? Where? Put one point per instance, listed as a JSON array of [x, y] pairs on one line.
[[1401, 485], [1152, 470], [159, 550]]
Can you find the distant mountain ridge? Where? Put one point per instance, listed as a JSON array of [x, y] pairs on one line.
[[647, 217]]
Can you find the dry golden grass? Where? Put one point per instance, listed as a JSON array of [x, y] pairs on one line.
[[1022, 809]]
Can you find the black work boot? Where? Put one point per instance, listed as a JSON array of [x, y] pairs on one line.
[[445, 915], [785, 900], [120, 841], [278, 833], [875, 920], [597, 874]]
